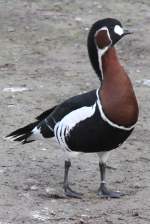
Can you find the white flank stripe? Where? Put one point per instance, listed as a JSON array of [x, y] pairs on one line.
[[36, 134], [63, 128], [109, 121]]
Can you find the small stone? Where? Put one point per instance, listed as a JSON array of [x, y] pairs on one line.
[[82, 221], [25, 188], [137, 185], [34, 188], [138, 71], [135, 213], [52, 213], [83, 215], [1, 171], [78, 19], [52, 193], [43, 149], [86, 28], [11, 29], [11, 105]]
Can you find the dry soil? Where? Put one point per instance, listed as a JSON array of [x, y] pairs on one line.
[[43, 60]]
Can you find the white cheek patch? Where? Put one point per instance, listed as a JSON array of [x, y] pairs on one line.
[[118, 30]]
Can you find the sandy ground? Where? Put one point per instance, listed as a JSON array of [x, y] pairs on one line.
[[43, 53]]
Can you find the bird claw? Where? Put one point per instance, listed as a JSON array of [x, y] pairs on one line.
[[72, 194], [105, 193]]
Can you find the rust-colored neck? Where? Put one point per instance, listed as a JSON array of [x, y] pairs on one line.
[[111, 54], [110, 64], [117, 95]]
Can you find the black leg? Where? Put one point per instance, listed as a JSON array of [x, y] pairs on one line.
[[68, 191], [103, 191]]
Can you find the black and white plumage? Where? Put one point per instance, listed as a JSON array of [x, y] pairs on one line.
[[81, 123]]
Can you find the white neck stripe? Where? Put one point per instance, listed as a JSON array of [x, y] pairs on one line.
[[107, 120], [100, 51]]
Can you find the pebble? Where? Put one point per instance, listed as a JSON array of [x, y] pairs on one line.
[[34, 188], [78, 19], [11, 29], [137, 185], [15, 89], [86, 28], [135, 213], [43, 149], [52, 193]]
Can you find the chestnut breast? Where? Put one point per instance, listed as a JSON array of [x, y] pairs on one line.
[[117, 95]]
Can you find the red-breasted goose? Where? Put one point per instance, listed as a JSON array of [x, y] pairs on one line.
[[97, 121]]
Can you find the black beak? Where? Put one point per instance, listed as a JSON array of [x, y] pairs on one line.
[[126, 32]]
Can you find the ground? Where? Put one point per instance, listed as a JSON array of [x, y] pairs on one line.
[[44, 60]]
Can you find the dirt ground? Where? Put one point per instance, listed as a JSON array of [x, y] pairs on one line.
[[43, 60]]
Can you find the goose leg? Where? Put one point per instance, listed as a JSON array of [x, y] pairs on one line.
[[103, 191], [68, 191]]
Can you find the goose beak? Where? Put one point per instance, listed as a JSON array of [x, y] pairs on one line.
[[126, 32]]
